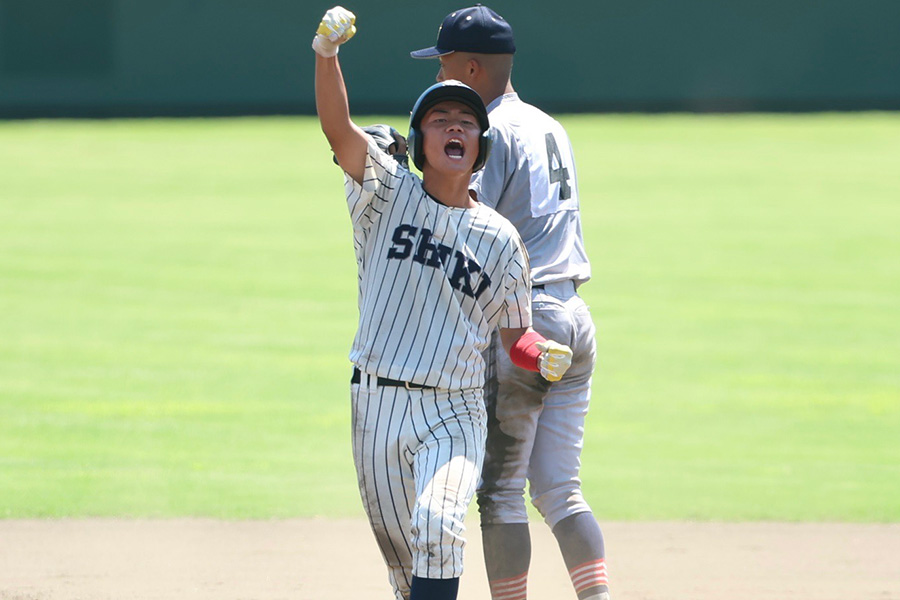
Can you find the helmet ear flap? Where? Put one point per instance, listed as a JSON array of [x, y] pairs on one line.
[[485, 143], [414, 147]]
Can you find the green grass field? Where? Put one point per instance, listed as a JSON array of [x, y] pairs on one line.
[[177, 300]]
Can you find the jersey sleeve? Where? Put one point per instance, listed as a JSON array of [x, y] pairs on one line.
[[517, 287], [381, 181], [492, 180]]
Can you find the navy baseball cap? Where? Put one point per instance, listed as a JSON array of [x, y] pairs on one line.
[[475, 29]]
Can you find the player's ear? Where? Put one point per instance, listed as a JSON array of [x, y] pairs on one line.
[[474, 68]]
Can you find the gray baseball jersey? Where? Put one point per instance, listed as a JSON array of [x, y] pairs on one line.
[[434, 281], [530, 179]]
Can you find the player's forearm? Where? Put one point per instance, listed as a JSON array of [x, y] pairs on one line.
[[348, 142], [509, 336], [331, 100], [521, 345]]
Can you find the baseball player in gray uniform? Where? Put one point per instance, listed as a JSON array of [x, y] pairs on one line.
[[438, 273], [535, 427]]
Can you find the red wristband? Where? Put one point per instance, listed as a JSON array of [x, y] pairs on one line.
[[525, 353]]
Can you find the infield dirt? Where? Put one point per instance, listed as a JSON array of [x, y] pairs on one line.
[[200, 559]]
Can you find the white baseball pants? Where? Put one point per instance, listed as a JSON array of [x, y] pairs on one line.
[[418, 455]]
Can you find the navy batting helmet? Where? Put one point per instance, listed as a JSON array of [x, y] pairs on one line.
[[440, 92]]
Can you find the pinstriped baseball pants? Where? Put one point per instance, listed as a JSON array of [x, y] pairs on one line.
[[418, 456]]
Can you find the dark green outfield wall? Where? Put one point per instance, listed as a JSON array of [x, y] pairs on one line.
[[142, 57]]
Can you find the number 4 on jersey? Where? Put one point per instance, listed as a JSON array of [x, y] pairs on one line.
[[558, 173]]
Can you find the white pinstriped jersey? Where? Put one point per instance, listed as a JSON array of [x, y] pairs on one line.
[[434, 281], [530, 179]]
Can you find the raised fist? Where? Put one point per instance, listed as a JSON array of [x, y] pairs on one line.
[[555, 360], [336, 27]]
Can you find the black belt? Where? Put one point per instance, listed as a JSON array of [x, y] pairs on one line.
[[385, 382], [540, 286]]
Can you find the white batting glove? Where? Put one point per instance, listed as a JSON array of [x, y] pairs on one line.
[[337, 26], [555, 360]]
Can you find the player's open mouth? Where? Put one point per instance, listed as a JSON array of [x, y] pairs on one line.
[[454, 149]]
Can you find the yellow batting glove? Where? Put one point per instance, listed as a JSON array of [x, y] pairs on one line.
[[337, 26], [555, 360]]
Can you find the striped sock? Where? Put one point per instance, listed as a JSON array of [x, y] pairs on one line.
[[512, 588], [590, 575]]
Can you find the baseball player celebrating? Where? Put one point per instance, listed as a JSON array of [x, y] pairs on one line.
[[438, 272], [535, 428]]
